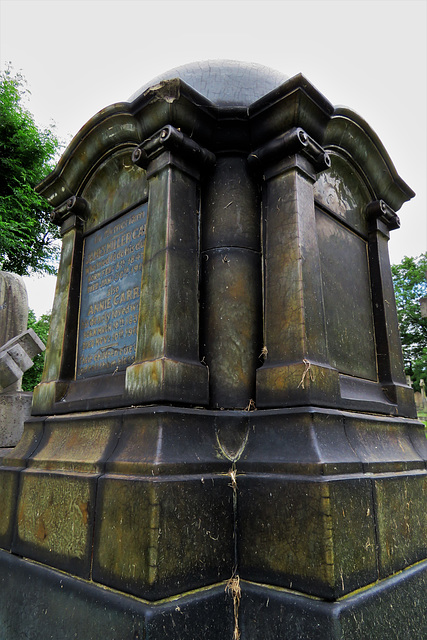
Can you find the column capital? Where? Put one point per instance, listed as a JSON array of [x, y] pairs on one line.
[[380, 212], [175, 143], [292, 143], [70, 214]]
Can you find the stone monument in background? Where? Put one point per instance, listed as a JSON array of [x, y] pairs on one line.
[[18, 346], [223, 444]]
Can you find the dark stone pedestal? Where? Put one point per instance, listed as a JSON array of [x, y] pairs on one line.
[[152, 510]]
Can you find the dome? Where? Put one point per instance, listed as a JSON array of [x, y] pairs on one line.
[[226, 83]]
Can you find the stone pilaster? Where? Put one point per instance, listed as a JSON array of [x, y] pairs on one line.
[[59, 367], [167, 367], [391, 372], [296, 368]]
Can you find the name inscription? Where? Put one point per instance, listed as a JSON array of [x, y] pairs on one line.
[[109, 305]]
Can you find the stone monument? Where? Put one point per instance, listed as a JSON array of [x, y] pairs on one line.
[[223, 444], [423, 393], [18, 346]]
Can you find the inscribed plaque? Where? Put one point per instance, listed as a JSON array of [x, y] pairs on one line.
[[111, 286]]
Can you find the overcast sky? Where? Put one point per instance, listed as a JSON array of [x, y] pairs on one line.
[[80, 56]]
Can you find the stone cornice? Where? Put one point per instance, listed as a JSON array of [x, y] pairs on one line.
[[108, 130], [126, 125], [295, 103], [350, 135]]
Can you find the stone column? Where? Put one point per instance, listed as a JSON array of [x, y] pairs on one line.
[[231, 293], [59, 367]]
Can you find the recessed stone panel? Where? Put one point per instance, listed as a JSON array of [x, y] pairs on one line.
[[156, 537], [313, 536], [116, 185], [401, 521], [347, 298], [111, 285], [341, 190], [54, 521]]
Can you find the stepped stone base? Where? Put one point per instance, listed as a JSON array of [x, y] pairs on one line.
[[35, 600]]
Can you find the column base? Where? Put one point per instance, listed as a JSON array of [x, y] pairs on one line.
[[296, 384], [393, 608], [167, 380], [39, 602], [36, 602]]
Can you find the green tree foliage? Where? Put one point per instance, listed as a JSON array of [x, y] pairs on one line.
[[41, 326], [410, 285], [27, 237]]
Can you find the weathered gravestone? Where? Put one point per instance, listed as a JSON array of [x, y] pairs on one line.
[[423, 393], [17, 348], [13, 306], [223, 442]]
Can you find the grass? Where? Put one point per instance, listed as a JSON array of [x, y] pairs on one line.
[[422, 416]]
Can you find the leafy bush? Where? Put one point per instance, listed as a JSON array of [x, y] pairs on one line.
[[410, 285], [33, 376], [27, 236]]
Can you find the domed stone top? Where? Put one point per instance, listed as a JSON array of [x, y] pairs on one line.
[[226, 83]]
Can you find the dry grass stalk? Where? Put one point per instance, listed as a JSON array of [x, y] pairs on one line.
[[233, 473], [307, 372], [264, 352], [233, 587], [251, 406]]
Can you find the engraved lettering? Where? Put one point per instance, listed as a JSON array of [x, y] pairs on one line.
[[112, 267]]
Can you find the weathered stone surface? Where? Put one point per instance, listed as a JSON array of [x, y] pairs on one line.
[[320, 540], [58, 606], [393, 608], [15, 409], [224, 396], [16, 356], [224, 82], [13, 321], [13, 306], [18, 346]]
